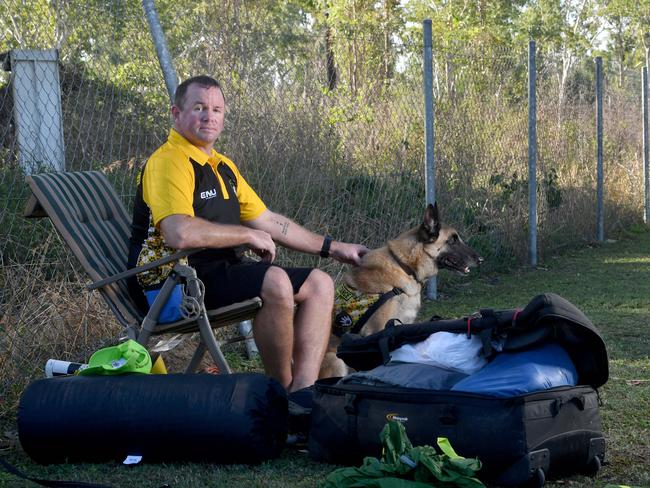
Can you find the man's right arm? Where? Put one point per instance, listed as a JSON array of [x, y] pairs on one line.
[[185, 232]]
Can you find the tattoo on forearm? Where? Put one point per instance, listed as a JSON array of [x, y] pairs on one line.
[[284, 226]]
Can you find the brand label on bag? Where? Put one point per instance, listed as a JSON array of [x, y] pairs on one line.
[[396, 417]]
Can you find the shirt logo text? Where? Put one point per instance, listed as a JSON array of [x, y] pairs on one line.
[[206, 195]]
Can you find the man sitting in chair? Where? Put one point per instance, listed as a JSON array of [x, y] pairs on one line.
[[190, 196]]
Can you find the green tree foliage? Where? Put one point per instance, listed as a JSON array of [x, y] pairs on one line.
[[365, 41], [628, 25], [471, 23], [622, 43], [257, 39], [371, 42], [565, 31], [29, 24]]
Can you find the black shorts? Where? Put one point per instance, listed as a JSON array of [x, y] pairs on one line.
[[227, 283]]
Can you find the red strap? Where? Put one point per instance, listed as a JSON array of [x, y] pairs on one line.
[[514, 318], [469, 323]]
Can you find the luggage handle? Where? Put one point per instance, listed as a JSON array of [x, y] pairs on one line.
[[350, 404], [558, 403], [580, 401]]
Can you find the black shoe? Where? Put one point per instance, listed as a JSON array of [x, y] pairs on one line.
[[301, 401], [300, 405]]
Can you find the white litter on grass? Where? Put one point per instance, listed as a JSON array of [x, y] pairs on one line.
[[132, 459]]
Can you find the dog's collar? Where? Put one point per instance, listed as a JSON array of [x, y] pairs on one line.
[[403, 265]]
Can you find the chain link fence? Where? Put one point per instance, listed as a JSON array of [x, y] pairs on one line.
[[327, 128]]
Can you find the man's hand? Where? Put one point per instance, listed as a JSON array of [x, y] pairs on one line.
[[347, 253], [262, 245]]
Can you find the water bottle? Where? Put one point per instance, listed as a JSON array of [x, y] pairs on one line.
[[245, 329], [56, 367]]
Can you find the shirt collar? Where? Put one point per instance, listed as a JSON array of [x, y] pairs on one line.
[[190, 150]]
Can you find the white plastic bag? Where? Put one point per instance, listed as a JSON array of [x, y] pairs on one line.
[[445, 350]]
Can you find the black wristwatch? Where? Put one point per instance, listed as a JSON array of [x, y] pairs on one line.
[[325, 250]]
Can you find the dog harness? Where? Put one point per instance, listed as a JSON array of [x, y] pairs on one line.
[[354, 308]]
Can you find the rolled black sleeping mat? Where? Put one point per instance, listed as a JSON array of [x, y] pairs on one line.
[[238, 418]]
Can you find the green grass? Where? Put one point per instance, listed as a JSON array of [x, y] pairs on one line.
[[609, 282]]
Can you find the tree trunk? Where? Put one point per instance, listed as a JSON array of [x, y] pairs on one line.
[[332, 77], [353, 58], [389, 61]]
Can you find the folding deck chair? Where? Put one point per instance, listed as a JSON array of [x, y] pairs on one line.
[[93, 222]]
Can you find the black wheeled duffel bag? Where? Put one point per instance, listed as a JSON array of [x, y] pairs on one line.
[[519, 438], [516, 439]]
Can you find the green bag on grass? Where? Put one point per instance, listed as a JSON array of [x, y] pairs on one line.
[[128, 357], [405, 466]]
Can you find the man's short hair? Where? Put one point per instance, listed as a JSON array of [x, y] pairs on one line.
[[202, 80]]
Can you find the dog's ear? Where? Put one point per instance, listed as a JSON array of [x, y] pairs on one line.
[[430, 228]]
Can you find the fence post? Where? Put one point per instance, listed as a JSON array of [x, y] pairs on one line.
[[532, 155], [599, 151], [646, 151], [431, 291], [166, 64], [36, 91]]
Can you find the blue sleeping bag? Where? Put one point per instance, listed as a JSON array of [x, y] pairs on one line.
[[517, 373]]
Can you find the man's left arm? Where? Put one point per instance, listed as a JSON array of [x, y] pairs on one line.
[[288, 233]]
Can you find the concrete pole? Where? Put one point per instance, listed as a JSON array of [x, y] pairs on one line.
[[166, 64], [646, 162], [532, 155], [599, 151]]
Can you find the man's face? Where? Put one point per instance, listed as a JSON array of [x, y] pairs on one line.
[[200, 119]]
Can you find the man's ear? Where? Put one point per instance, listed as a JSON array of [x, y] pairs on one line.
[[175, 112], [430, 228]]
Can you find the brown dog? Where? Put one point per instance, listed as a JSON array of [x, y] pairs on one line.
[[402, 266]]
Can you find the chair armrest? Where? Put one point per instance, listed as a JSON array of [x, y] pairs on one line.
[[33, 208], [141, 269]]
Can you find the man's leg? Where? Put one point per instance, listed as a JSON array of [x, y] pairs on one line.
[[280, 336], [273, 325], [312, 325]]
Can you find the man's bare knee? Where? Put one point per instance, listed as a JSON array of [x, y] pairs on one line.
[[277, 288], [317, 285]]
